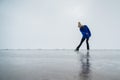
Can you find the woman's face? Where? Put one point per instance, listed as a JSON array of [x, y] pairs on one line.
[[79, 24]]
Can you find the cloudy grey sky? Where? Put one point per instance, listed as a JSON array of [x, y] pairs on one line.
[[52, 24]]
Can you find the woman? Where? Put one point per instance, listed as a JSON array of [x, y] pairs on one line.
[[85, 35]]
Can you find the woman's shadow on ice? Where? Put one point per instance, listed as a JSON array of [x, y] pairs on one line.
[[85, 72]]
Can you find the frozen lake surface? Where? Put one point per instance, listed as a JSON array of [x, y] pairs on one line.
[[59, 65]]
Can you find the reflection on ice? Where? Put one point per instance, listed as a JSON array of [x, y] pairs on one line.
[[59, 65], [85, 72]]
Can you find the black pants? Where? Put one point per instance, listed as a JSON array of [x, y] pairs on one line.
[[82, 40]]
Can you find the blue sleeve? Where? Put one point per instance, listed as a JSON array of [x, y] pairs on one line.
[[88, 30]]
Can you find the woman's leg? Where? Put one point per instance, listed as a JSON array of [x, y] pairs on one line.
[[87, 43], [82, 40]]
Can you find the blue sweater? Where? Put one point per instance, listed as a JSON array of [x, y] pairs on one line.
[[85, 31]]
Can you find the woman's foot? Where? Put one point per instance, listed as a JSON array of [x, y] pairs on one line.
[[76, 49]]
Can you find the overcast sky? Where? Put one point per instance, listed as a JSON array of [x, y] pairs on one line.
[[52, 24]]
